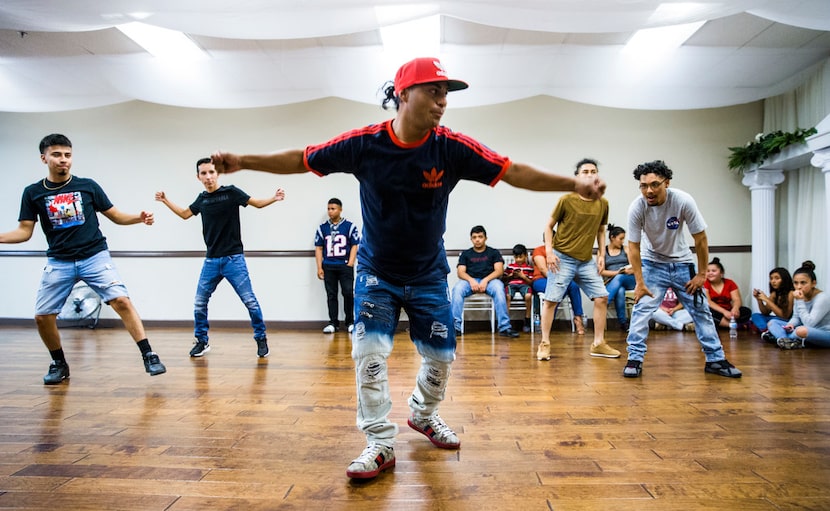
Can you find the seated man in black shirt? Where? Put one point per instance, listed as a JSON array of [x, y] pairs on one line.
[[479, 271]]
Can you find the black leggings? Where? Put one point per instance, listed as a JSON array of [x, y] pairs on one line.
[[743, 316]]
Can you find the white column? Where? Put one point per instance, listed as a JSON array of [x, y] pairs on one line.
[[821, 159], [762, 184]]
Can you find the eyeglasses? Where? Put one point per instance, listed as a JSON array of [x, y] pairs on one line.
[[654, 185]]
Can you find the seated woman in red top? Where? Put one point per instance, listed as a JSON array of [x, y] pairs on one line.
[[724, 297]]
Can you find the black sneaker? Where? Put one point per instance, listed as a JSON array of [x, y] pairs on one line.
[[509, 333], [262, 347], [58, 371], [768, 337], [633, 369], [152, 364], [199, 348], [723, 368]]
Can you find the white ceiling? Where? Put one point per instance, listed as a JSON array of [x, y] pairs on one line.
[[65, 54]]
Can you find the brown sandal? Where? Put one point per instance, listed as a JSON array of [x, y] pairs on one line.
[[580, 327]]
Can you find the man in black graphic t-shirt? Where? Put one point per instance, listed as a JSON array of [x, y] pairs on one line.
[[67, 207]]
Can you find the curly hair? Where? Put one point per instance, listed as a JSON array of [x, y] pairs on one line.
[[653, 167]]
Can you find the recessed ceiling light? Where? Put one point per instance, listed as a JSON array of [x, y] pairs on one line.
[[162, 42]]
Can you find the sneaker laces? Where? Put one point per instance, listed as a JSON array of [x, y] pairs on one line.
[[442, 430], [369, 454]]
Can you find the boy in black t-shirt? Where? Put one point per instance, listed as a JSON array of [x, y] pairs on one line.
[[480, 269], [219, 206], [68, 207]]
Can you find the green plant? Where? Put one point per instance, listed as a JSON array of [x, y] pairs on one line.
[[764, 146]]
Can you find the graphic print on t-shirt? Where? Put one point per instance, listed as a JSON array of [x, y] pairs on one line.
[[65, 209]]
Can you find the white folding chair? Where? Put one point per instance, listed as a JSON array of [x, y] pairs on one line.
[[479, 302], [565, 306]]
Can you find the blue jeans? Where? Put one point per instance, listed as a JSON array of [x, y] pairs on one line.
[[59, 276], [761, 320], [378, 305], [658, 277], [815, 336], [573, 293], [234, 269], [617, 287], [495, 289]]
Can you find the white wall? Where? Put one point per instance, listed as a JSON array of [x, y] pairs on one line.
[[135, 149]]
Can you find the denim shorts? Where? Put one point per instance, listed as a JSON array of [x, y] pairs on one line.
[[584, 273], [59, 276]]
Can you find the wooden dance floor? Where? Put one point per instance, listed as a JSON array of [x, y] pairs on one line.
[[230, 431]]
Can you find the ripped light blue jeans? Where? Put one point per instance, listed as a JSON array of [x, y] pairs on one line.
[[378, 305], [658, 277]]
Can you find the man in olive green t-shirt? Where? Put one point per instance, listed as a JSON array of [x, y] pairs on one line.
[[577, 221]]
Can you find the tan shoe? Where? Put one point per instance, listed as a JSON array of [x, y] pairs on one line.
[[543, 353], [689, 327], [604, 350]]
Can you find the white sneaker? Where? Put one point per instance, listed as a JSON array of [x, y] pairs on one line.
[[434, 428], [371, 462], [351, 328], [329, 329]]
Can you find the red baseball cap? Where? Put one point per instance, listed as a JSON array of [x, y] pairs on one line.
[[424, 70]]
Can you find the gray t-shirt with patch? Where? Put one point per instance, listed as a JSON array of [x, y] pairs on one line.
[[659, 229]]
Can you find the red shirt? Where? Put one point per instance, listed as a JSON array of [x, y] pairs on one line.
[[724, 298], [537, 273]]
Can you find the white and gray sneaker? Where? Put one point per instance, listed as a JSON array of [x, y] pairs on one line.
[[374, 458], [329, 329], [786, 343], [434, 428]]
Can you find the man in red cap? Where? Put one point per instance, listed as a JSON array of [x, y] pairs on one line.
[[407, 167]]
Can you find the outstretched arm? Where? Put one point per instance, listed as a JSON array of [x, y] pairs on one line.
[[184, 213], [261, 203], [522, 175], [121, 218], [22, 233], [289, 161]]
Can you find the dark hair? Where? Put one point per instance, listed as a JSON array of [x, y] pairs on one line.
[[807, 268], [782, 294], [202, 161], [716, 262], [615, 230], [54, 139], [519, 249], [478, 228], [389, 96], [653, 167], [582, 162], [335, 200]]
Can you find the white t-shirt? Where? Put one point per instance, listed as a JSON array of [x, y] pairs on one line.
[[659, 229]]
